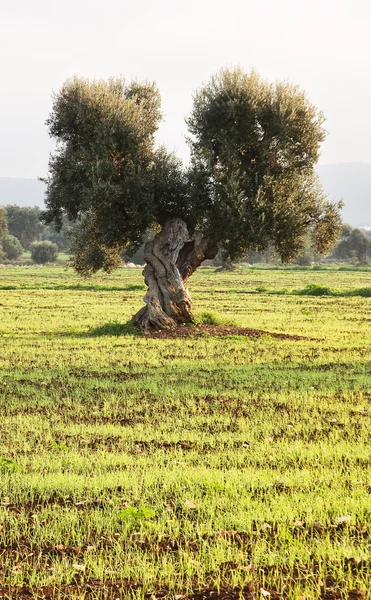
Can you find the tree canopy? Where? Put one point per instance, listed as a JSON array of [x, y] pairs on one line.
[[259, 143], [353, 243], [43, 252], [103, 171], [12, 247], [24, 223], [250, 184]]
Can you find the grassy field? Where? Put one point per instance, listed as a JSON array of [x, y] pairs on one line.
[[210, 467]]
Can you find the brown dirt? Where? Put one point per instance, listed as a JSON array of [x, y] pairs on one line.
[[119, 591], [186, 331]]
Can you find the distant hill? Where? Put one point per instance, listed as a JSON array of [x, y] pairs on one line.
[[348, 181], [23, 192]]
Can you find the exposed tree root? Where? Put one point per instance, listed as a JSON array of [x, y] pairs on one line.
[[227, 266]]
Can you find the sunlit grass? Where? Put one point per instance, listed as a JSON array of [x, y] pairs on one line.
[[183, 465]]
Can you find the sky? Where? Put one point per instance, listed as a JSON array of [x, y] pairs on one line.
[[324, 46]]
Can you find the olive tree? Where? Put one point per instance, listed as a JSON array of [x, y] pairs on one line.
[[24, 223], [12, 247], [43, 252], [250, 184]]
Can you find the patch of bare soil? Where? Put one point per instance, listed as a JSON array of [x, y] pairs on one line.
[[186, 331]]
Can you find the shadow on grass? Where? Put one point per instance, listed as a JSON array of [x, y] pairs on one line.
[[114, 328], [79, 287]]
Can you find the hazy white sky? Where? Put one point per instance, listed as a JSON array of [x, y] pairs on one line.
[[323, 45]]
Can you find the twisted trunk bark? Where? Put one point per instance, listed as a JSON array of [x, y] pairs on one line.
[[171, 259]]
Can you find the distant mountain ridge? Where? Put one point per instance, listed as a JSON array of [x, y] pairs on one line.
[[23, 192], [348, 181]]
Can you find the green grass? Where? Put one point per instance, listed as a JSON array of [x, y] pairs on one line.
[[170, 467]]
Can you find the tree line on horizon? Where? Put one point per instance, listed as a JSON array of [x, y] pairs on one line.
[[22, 226], [22, 229]]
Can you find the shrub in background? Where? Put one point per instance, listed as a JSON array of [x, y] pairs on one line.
[[43, 252], [12, 247]]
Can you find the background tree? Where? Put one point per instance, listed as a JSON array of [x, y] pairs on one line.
[[353, 243], [136, 256], [24, 223], [12, 247], [250, 184], [62, 237], [3, 229], [3, 223], [43, 252]]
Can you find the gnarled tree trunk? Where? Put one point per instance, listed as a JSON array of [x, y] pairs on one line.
[[171, 259]]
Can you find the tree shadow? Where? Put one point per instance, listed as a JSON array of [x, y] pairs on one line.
[[114, 328]]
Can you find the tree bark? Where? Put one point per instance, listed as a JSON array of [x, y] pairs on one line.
[[171, 259]]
